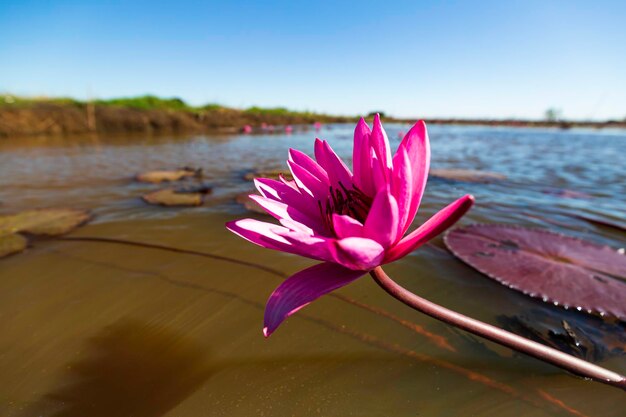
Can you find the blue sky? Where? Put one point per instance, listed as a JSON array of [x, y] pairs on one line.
[[413, 59]]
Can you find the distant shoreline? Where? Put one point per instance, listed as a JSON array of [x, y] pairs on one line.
[[561, 124], [152, 115]]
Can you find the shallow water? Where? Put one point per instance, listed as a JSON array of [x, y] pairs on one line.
[[102, 329]]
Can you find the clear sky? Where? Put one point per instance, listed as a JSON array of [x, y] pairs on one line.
[[414, 58]]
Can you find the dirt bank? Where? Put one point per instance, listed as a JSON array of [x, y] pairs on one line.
[[55, 119], [49, 118]]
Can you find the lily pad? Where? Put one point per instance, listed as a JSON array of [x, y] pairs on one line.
[[49, 222], [12, 243], [467, 175], [250, 205], [563, 270], [172, 197], [271, 173], [156, 177]]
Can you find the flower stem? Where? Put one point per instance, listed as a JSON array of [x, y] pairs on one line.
[[547, 354]]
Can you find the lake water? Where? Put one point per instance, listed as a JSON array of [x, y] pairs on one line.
[[102, 329]]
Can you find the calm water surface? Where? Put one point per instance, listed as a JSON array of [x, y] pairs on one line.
[[98, 329]]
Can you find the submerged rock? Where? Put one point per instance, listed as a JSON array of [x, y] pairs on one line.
[[156, 177], [250, 205], [12, 243], [49, 222], [172, 197], [40, 222], [584, 337], [270, 173]]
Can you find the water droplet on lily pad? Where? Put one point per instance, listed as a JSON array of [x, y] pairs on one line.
[[172, 197], [558, 269], [156, 177], [467, 175]]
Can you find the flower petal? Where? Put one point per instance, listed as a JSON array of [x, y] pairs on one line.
[[308, 182], [312, 246], [346, 226], [290, 183], [445, 218], [258, 232], [379, 175], [380, 142], [338, 171], [287, 194], [358, 253], [296, 226], [351, 252], [281, 210], [381, 224], [402, 188], [362, 158], [380, 145], [308, 163], [272, 236], [301, 289], [417, 147]]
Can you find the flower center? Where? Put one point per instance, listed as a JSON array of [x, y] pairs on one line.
[[351, 202]]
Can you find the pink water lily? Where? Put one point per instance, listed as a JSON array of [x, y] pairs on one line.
[[353, 221]]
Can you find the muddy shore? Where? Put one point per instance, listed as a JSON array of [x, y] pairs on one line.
[[60, 119], [63, 119]]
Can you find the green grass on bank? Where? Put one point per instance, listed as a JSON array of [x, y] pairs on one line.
[[8, 100], [147, 102], [151, 102], [255, 113], [278, 111]]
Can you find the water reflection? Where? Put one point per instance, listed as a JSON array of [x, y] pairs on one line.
[[129, 369], [134, 369]]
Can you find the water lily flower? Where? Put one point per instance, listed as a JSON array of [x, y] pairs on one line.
[[352, 221], [247, 129], [355, 221], [288, 129]]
